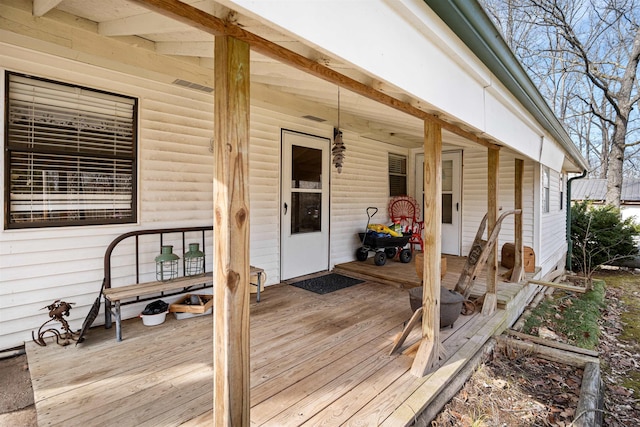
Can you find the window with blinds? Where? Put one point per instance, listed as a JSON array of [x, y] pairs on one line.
[[397, 175], [545, 189], [70, 155]]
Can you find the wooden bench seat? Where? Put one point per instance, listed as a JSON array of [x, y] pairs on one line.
[[141, 289]]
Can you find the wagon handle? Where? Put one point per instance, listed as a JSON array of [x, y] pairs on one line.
[[375, 211]]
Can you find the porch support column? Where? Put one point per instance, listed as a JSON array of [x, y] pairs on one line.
[[429, 351], [518, 265], [231, 234], [493, 165]]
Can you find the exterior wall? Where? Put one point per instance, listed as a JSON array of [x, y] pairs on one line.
[[553, 227], [363, 183], [38, 266], [474, 195], [175, 188]]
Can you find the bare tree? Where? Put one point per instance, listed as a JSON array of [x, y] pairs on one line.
[[584, 55]]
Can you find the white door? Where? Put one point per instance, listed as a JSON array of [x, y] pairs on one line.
[[451, 200], [304, 206]]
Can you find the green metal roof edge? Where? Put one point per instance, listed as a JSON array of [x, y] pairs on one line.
[[470, 22]]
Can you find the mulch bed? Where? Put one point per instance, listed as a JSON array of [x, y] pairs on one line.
[[515, 389], [518, 389]]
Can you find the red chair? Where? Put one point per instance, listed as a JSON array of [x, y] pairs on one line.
[[405, 210]]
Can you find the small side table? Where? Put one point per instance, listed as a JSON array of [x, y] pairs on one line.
[[258, 273]]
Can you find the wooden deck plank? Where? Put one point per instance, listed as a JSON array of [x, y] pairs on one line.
[[288, 391], [363, 334], [315, 359], [336, 320], [324, 396], [434, 381], [132, 356], [361, 394]]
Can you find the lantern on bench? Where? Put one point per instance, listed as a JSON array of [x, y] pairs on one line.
[[166, 264], [194, 260]]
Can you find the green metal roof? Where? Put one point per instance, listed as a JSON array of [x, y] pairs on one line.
[[471, 24]]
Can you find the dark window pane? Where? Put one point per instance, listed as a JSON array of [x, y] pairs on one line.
[[306, 212], [447, 209], [397, 175], [306, 168]]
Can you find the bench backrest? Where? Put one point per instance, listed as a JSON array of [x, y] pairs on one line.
[[161, 232]]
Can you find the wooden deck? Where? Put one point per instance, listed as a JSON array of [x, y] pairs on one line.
[[315, 360], [404, 276]]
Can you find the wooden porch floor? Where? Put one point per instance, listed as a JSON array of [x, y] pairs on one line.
[[404, 276], [315, 360]]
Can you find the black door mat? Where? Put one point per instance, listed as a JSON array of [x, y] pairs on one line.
[[327, 283]]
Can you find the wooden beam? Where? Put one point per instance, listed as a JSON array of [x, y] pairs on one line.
[[517, 273], [429, 352], [493, 167], [41, 7], [197, 18], [546, 352], [231, 234], [562, 286], [554, 344], [146, 23], [590, 406]]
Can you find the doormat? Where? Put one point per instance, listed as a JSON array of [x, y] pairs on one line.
[[327, 283]]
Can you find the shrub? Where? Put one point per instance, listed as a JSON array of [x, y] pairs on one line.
[[600, 236]]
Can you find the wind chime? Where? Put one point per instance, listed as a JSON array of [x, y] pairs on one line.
[[338, 146]]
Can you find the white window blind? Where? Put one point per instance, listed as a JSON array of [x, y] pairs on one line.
[[71, 154], [397, 175]]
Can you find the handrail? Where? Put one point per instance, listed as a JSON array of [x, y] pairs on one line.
[[136, 234]]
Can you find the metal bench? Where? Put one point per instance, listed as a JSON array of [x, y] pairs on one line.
[[115, 297]]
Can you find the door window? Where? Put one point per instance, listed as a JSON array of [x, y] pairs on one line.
[[306, 190]]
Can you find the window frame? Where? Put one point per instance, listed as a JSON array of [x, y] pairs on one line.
[[125, 159], [561, 190], [546, 179], [391, 173]]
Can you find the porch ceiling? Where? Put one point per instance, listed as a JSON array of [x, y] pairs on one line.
[[274, 85]]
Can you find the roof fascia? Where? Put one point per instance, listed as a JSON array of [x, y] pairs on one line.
[[469, 21]]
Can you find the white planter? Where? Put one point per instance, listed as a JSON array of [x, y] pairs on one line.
[[153, 319]]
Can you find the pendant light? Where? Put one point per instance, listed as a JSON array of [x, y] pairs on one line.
[[338, 146]]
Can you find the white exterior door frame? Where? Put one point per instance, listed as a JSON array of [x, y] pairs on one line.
[[304, 207], [451, 198]]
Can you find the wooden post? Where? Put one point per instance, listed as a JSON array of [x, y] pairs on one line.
[[493, 165], [518, 265], [429, 351], [231, 234]]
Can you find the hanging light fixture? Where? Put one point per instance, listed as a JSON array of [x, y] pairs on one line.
[[338, 146]]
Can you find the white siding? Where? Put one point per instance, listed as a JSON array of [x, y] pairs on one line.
[[474, 204], [175, 189], [363, 183], [553, 241], [175, 176]]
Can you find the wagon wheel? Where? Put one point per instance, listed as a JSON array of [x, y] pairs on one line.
[[362, 254], [380, 258], [390, 252], [405, 256]]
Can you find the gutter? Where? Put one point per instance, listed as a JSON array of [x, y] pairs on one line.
[[569, 241], [470, 22]]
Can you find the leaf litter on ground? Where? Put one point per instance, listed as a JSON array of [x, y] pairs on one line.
[[513, 388]]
